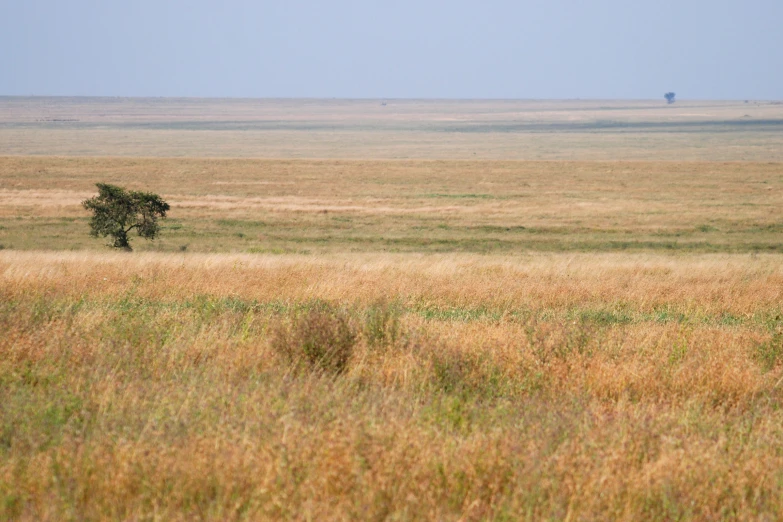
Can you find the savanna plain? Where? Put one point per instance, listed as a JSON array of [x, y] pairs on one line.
[[415, 310]]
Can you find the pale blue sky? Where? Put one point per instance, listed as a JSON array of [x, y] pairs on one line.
[[702, 49]]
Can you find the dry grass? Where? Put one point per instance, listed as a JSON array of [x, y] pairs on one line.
[[408, 206], [389, 339], [544, 386]]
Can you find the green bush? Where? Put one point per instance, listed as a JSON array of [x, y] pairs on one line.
[[381, 324], [770, 353], [465, 375]]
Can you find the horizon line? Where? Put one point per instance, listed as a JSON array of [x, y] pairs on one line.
[[370, 98]]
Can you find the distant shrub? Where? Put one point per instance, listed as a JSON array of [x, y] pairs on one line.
[[321, 339], [556, 341], [381, 326], [769, 354], [469, 376], [453, 371]]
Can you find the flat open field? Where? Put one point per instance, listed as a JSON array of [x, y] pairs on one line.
[[419, 129], [349, 315], [332, 206]]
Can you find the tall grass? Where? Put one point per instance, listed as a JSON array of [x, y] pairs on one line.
[[364, 387]]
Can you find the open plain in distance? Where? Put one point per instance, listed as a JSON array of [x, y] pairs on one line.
[[401, 129], [443, 310]]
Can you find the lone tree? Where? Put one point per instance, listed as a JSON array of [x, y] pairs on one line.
[[669, 97], [116, 211]]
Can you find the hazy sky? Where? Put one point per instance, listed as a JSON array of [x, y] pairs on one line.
[[707, 49]]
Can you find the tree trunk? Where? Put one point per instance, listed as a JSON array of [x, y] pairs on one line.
[[121, 241]]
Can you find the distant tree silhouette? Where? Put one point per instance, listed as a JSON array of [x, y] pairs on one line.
[[669, 97]]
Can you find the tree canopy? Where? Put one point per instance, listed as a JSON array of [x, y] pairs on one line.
[[116, 211]]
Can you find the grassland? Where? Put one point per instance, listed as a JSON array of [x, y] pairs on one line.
[[442, 336], [620, 386], [332, 206], [402, 129]]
